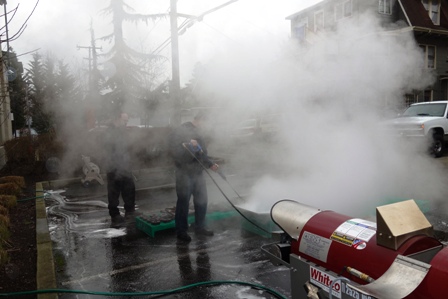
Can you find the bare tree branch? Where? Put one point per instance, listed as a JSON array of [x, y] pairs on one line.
[[22, 28], [10, 19]]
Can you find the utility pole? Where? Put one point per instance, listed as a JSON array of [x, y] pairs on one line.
[[5, 105], [3, 2], [29, 118], [92, 63], [175, 80], [93, 92]]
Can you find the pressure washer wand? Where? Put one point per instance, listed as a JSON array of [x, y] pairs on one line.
[[220, 190], [219, 171]]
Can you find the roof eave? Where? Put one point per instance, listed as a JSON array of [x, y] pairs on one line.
[[404, 12], [430, 30], [304, 10]]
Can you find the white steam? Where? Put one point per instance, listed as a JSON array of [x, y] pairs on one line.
[[332, 95]]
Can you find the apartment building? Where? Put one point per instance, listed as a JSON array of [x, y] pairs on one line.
[[427, 19]]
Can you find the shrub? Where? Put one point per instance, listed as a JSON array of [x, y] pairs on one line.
[[8, 201], [4, 234], [24, 153], [4, 259], [10, 189], [4, 210], [18, 180], [20, 150], [4, 220]]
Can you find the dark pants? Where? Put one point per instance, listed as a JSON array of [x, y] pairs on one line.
[[186, 186], [116, 185]]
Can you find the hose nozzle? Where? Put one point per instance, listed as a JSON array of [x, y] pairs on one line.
[[219, 171]]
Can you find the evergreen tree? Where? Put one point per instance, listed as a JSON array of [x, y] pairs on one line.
[[127, 81], [68, 105], [195, 92], [36, 93], [53, 92], [17, 91]]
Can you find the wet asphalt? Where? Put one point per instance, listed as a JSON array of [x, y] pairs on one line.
[[92, 256]]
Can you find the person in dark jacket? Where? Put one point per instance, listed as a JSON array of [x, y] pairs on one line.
[[189, 152], [119, 175]]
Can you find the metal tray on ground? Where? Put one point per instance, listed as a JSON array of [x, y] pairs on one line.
[[260, 223], [144, 224]]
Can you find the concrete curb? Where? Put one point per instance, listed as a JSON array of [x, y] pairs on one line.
[[45, 274], [56, 184]]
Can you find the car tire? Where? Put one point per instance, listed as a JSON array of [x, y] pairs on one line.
[[437, 146]]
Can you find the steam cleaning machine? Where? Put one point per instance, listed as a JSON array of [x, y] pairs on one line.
[[396, 257]]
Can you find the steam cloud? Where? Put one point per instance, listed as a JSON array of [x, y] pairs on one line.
[[332, 96]]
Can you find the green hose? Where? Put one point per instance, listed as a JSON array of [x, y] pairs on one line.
[[25, 199], [166, 292]]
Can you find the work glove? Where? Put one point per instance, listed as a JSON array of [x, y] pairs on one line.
[[194, 149]]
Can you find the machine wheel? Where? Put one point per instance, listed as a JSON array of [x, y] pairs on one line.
[[437, 146], [52, 164], [86, 184]]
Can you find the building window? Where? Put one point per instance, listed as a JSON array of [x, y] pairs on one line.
[[427, 95], [319, 21], [410, 98], [433, 9], [348, 8], [338, 12], [424, 96], [300, 31], [385, 7], [343, 10], [445, 89], [429, 53]]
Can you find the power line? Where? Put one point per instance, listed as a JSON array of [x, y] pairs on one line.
[[190, 21]]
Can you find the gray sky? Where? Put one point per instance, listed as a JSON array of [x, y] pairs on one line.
[[60, 26]]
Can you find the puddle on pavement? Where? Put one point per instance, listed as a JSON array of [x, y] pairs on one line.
[[87, 218]]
